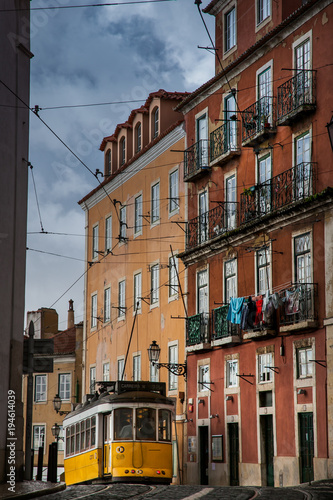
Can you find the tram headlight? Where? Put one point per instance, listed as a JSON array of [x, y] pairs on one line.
[[126, 471], [139, 471]]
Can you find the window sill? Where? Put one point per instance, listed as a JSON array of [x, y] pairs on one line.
[[263, 23], [229, 52]]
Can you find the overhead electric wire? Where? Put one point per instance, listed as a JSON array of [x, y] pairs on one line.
[[33, 180], [82, 6]]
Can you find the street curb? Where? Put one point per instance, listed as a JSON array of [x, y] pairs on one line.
[[38, 493]]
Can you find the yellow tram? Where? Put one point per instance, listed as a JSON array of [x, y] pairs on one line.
[[124, 434]]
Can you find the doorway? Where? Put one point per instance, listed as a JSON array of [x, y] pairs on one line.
[[233, 454], [203, 454], [267, 447], [306, 446]]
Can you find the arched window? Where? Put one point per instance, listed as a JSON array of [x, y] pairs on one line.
[[155, 122], [122, 151], [138, 138], [108, 162]]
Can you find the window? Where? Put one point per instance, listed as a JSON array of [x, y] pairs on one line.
[[164, 425], [154, 285], [302, 250], [264, 104], [61, 444], [232, 369], [303, 178], [38, 436], [202, 137], [230, 280], [40, 388], [92, 379], [173, 359], [264, 178], [230, 198], [108, 234], [93, 320], [64, 386], [153, 373], [123, 225], [137, 367], [108, 163], [106, 372], [173, 280], [137, 292], [230, 29], [230, 116], [155, 203], [263, 270], [203, 216], [203, 378], [121, 299], [122, 151], [156, 121], [146, 424], [263, 10], [120, 368], [173, 192], [265, 362], [107, 305], [202, 291], [138, 138], [123, 423], [138, 214], [304, 365], [95, 243], [303, 81]]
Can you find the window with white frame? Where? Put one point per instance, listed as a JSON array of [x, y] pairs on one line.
[[137, 367], [106, 372], [107, 305], [137, 291], [173, 359], [93, 319], [231, 372], [108, 234], [120, 368], [138, 214], [154, 284], [95, 242], [264, 104], [230, 126], [302, 251], [138, 138], [122, 151], [155, 203], [230, 29], [263, 10], [121, 299], [203, 216], [64, 389], [230, 198], [122, 222], [263, 260], [173, 192], [304, 362], [265, 363], [92, 379], [153, 372], [202, 156], [108, 162], [38, 436], [230, 279], [203, 378], [173, 280], [303, 168], [202, 291], [61, 439], [156, 121], [303, 80], [264, 178], [40, 388]]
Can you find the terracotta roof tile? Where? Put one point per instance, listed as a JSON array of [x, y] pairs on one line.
[[65, 342]]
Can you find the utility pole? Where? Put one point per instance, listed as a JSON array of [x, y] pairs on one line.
[[28, 428]]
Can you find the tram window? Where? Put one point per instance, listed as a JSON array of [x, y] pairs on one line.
[[93, 431], [83, 436], [72, 439], [68, 441], [77, 438], [146, 424], [88, 433], [164, 425], [123, 423]]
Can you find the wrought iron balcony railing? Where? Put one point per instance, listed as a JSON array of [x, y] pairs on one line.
[[292, 185], [299, 303], [196, 159], [296, 95], [197, 329], [211, 224], [224, 140], [221, 327], [258, 119]]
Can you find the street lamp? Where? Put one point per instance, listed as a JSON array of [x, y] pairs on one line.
[[330, 131], [57, 405], [175, 368], [56, 431]]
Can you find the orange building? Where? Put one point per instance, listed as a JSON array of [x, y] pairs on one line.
[[134, 289]]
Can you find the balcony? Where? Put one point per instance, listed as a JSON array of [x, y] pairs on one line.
[[258, 122], [197, 332], [299, 310], [224, 332], [211, 224], [223, 143], [296, 97], [196, 160], [290, 186]]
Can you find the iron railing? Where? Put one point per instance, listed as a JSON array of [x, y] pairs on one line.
[[196, 159], [296, 93], [223, 140], [211, 224], [291, 185], [299, 303], [221, 327], [197, 329], [257, 118]]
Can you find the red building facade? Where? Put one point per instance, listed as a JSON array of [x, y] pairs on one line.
[[258, 166]]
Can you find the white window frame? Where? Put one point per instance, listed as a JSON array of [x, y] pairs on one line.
[[68, 392], [260, 23], [231, 277], [136, 366], [92, 370], [108, 162], [61, 439], [108, 233], [138, 137], [153, 372], [106, 371], [121, 299], [138, 215], [122, 151], [265, 362], [232, 368], [120, 367], [93, 315], [156, 121], [40, 388], [154, 284], [174, 201], [230, 42], [155, 203], [308, 351], [295, 235], [203, 376], [41, 433], [231, 207], [265, 266], [202, 309], [95, 242], [122, 224], [137, 289], [172, 358], [107, 304], [300, 41], [173, 279]]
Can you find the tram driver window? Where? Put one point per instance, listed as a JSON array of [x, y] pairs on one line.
[[164, 425], [123, 423], [146, 424]]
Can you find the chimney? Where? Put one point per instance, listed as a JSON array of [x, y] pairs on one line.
[[70, 317]]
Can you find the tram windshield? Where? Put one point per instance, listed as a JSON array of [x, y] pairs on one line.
[[123, 423], [146, 424]]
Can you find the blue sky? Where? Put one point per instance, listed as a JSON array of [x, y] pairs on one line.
[[84, 56]]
